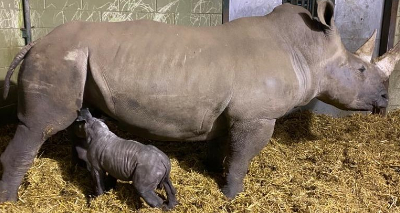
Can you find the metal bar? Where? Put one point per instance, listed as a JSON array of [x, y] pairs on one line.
[[313, 8], [387, 33], [225, 11], [388, 25], [27, 21]]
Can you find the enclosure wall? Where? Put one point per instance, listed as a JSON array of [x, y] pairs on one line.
[[11, 41]]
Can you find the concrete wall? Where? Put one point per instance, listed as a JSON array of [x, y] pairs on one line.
[[394, 80], [47, 14], [246, 8]]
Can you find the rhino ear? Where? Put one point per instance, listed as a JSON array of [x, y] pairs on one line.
[[325, 13], [366, 51], [388, 61]]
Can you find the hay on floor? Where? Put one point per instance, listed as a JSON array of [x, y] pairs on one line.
[[313, 163]]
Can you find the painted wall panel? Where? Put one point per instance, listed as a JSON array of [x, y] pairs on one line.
[[10, 42]]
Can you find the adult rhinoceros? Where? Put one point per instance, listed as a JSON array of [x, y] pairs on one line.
[[223, 83]]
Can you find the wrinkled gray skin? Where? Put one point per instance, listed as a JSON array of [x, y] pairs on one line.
[[127, 160], [227, 84]]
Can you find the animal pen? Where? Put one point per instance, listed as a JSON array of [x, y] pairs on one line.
[[340, 162]]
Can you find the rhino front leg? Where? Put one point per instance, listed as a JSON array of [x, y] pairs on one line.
[[248, 138], [99, 180]]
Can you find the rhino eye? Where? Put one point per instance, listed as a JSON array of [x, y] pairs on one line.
[[362, 69]]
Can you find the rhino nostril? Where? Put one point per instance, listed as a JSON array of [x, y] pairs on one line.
[[385, 96]]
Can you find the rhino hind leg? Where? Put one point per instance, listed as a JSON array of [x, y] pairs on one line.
[[16, 160], [248, 138], [48, 102], [20, 152]]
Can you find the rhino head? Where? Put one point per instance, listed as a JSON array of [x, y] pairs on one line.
[[353, 81]]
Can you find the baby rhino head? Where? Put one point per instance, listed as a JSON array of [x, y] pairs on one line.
[[93, 127]]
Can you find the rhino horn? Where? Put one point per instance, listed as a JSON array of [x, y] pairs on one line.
[[366, 51], [325, 13], [388, 61]]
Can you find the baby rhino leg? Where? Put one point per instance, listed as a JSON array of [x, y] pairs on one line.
[[171, 192], [151, 198], [145, 181]]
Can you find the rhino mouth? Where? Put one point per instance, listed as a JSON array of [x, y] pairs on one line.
[[378, 106], [376, 109]]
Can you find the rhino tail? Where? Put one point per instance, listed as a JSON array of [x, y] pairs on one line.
[[17, 59]]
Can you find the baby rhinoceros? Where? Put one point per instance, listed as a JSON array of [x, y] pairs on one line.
[[127, 160]]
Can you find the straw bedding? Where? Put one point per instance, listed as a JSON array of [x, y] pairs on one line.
[[313, 163]]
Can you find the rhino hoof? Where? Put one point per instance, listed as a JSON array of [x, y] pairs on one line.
[[165, 207], [230, 192], [170, 205], [5, 195]]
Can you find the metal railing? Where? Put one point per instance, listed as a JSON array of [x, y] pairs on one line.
[[310, 5]]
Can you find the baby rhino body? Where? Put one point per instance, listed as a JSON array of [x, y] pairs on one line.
[[127, 160]]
